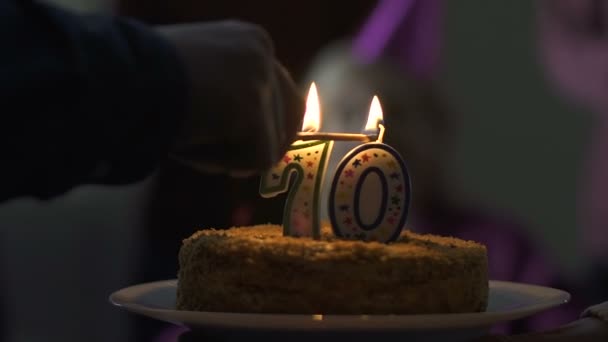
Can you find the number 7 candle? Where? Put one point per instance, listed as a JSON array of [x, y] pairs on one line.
[[304, 167]]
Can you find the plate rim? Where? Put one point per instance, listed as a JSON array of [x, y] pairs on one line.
[[124, 298]]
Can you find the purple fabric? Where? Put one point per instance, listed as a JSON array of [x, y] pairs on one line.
[[574, 52], [407, 31], [593, 197], [171, 334], [512, 256], [576, 61]]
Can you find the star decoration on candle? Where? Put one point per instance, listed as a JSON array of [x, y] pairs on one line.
[[302, 216], [395, 200], [388, 219]]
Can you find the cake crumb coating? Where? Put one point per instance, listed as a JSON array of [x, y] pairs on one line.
[[257, 269]]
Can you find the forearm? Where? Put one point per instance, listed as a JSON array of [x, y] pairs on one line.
[[91, 99]]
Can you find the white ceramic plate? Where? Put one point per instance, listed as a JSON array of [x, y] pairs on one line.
[[508, 301]]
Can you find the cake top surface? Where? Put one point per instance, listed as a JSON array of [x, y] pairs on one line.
[[269, 239]]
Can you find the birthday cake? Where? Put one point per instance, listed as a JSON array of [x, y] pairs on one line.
[[258, 270]]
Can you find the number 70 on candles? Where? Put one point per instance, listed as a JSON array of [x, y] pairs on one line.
[[370, 191]]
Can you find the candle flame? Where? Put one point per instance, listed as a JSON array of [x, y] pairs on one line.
[[312, 117], [375, 118]]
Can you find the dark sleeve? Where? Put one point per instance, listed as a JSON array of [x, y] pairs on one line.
[[83, 99]]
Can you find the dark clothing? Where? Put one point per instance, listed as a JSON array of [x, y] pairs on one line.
[[84, 99]]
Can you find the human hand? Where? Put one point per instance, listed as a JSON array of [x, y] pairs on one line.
[[245, 109]]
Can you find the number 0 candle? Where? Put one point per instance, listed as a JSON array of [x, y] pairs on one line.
[[304, 167], [370, 192]]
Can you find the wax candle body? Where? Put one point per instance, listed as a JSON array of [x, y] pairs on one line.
[[304, 167], [370, 194]]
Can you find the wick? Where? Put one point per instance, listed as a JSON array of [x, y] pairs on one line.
[[335, 136], [380, 133]]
